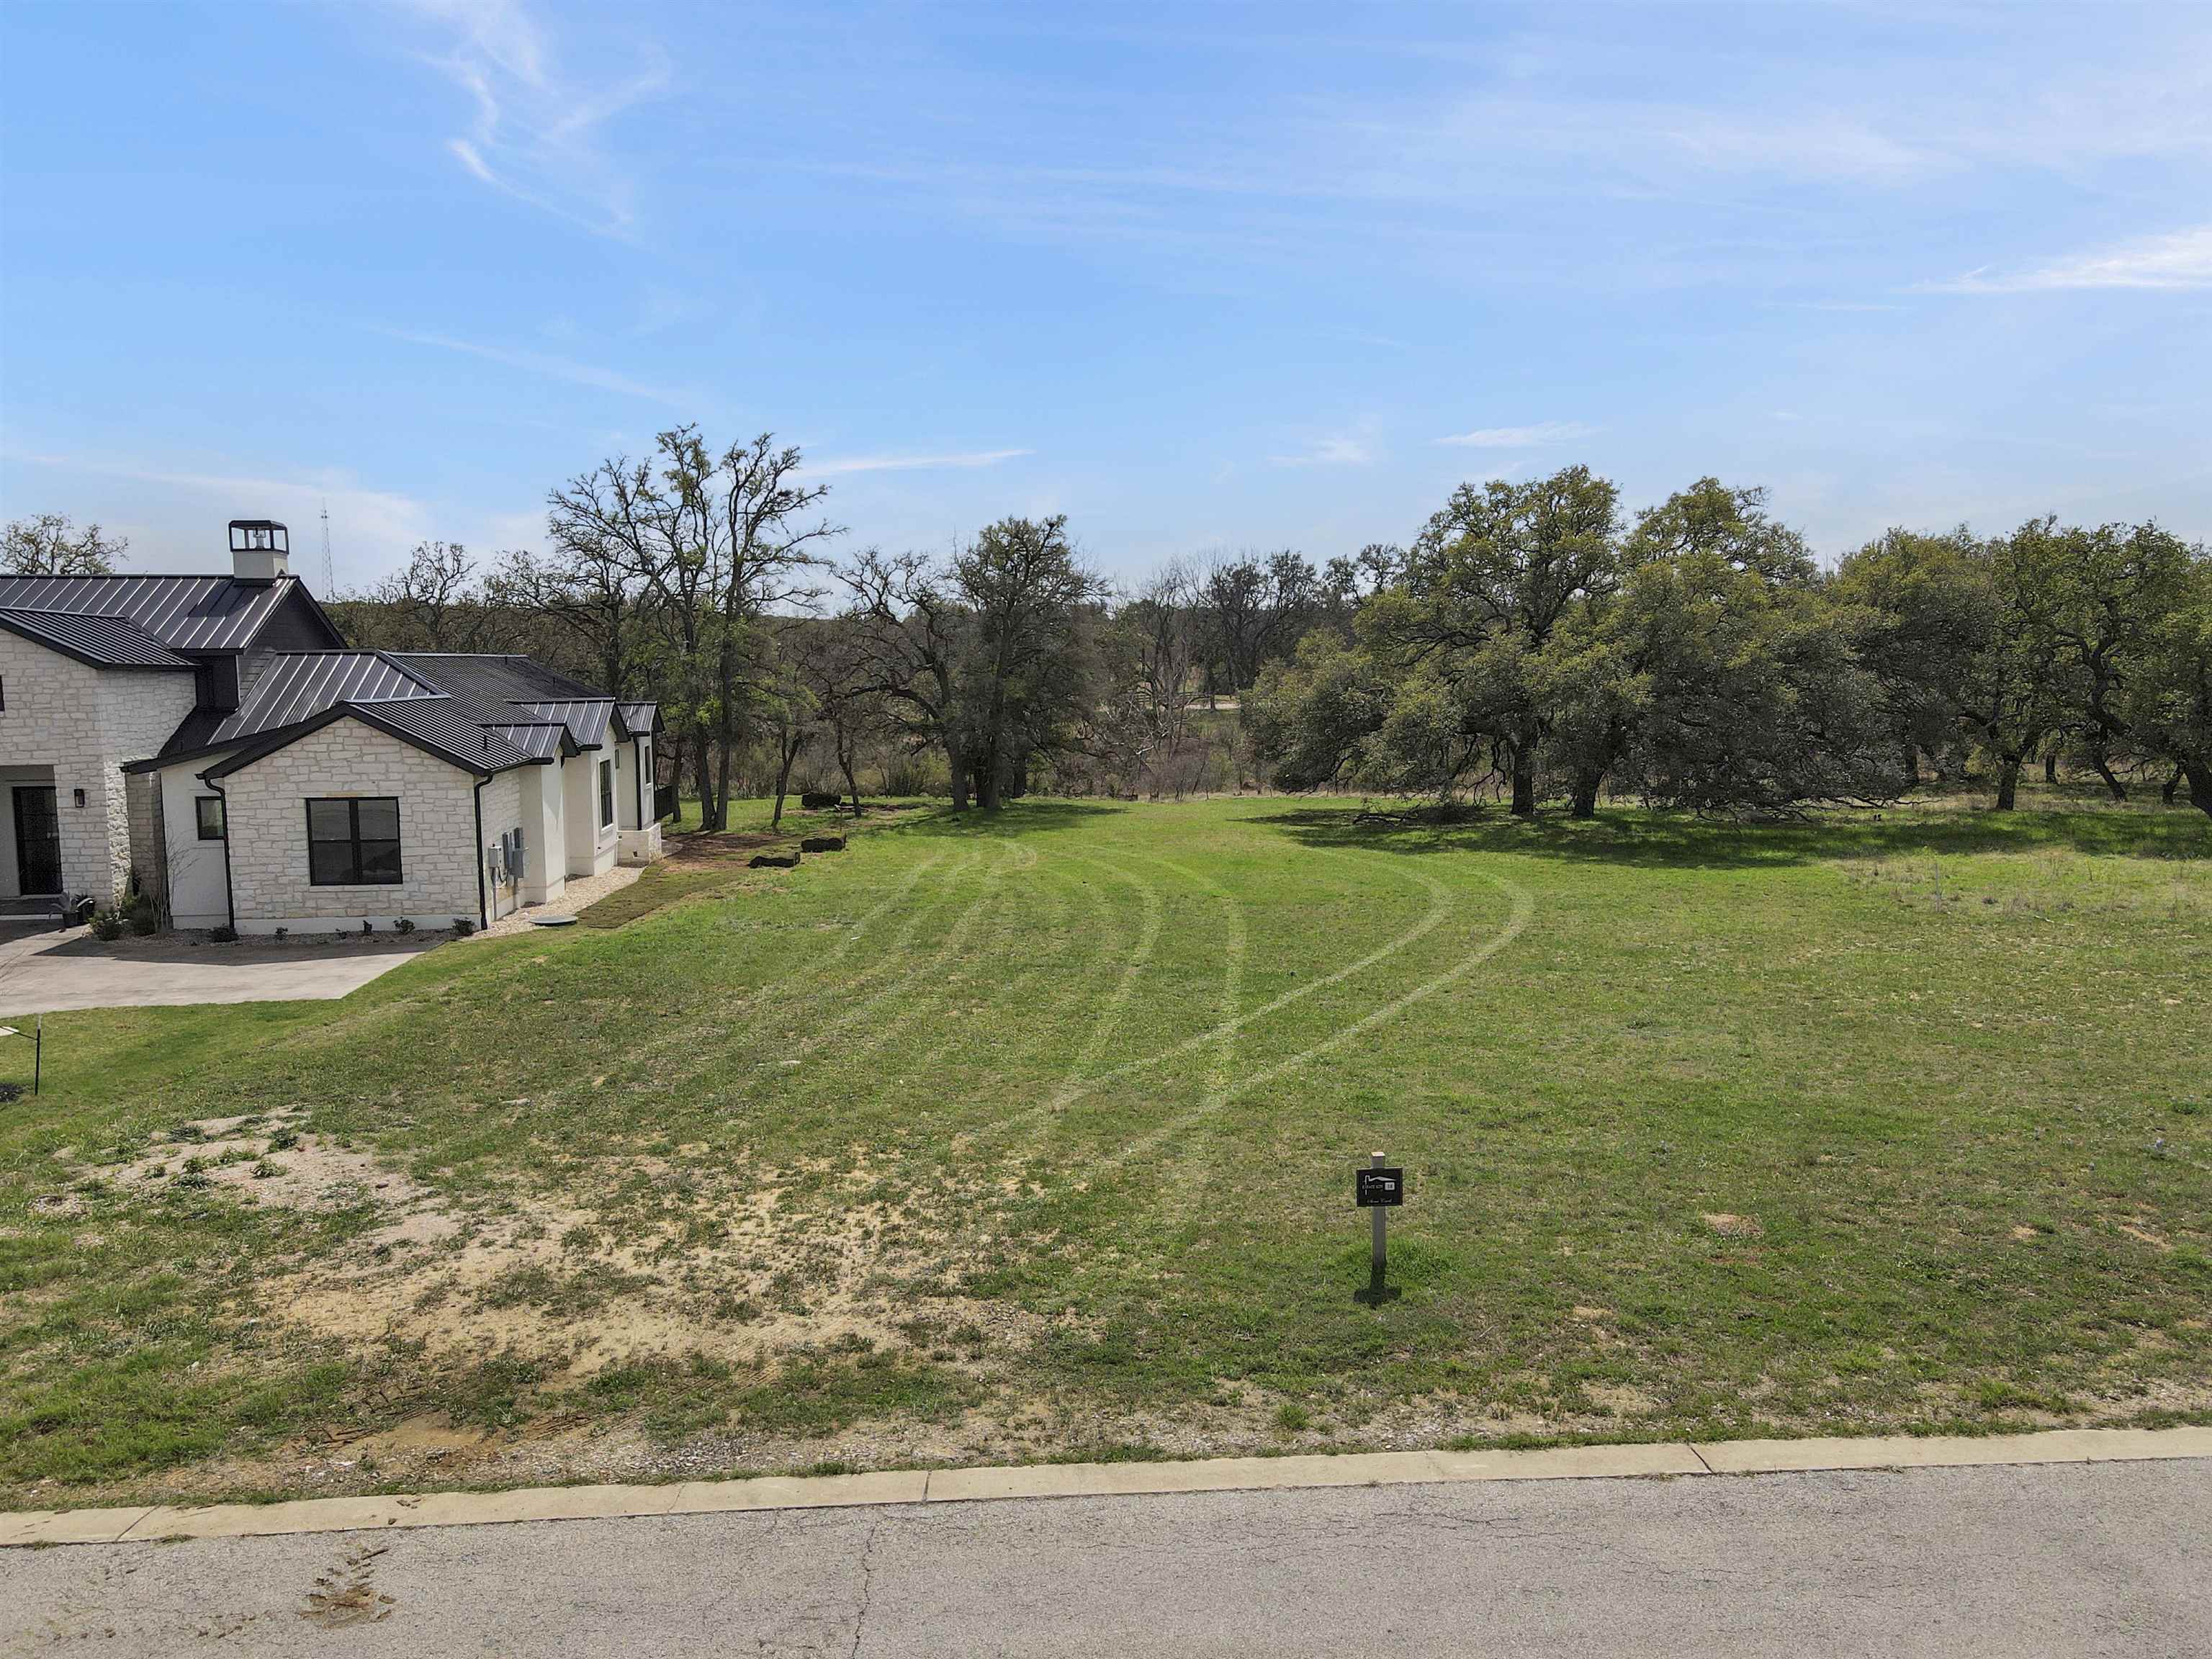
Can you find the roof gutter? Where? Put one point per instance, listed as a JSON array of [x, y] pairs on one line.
[[483, 911], [230, 898]]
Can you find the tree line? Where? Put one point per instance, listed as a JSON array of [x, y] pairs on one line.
[[1530, 642], [1697, 656]]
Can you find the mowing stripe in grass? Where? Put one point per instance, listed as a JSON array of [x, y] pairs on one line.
[[793, 992], [1523, 908], [1109, 1010], [1028, 1033], [943, 990], [1440, 904], [1236, 946]]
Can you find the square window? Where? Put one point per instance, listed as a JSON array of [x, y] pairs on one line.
[[354, 843], [207, 810]]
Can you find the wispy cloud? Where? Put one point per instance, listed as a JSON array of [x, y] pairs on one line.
[[558, 369], [1519, 437], [915, 463], [1328, 452], [536, 132], [371, 529], [2182, 259]]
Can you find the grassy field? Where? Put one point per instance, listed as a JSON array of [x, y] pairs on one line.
[[1033, 1137]]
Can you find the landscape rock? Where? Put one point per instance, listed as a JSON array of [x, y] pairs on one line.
[[820, 800], [773, 861], [822, 844]]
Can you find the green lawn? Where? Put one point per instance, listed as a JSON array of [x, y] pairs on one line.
[[1033, 1137]]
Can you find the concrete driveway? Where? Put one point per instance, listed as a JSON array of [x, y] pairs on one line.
[[46, 971]]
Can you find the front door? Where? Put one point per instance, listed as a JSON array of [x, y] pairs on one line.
[[38, 840]]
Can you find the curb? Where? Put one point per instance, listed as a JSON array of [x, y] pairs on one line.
[[158, 1523]]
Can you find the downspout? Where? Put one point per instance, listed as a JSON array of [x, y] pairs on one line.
[[230, 898], [484, 914]]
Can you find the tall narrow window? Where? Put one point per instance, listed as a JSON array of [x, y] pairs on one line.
[[606, 794], [354, 843]]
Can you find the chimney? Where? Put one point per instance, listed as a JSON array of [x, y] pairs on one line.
[[260, 550]]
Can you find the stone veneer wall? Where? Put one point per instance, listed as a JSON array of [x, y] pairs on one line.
[[439, 855], [86, 722]]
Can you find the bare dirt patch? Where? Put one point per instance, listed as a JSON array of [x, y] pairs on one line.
[[654, 1260]]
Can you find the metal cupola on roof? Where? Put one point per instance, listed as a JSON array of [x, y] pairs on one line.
[[260, 550]]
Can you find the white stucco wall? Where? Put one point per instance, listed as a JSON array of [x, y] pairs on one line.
[[84, 722], [196, 893], [546, 825], [502, 811], [590, 848], [439, 856], [638, 842]]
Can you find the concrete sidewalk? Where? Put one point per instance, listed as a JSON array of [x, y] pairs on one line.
[[2105, 1559], [153, 1523], [49, 971]]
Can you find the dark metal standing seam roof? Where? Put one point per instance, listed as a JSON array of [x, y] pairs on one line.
[[587, 722], [297, 685], [449, 726], [440, 726], [283, 688], [536, 690], [103, 642], [186, 613], [540, 739], [642, 718], [497, 678]]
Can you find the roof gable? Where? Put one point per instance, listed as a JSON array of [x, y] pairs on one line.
[[435, 725], [185, 613]]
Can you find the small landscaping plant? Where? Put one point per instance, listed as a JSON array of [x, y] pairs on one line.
[[106, 925]]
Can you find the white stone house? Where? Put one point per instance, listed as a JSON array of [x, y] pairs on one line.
[[214, 737]]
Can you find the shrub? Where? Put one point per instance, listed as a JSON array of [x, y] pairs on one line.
[[225, 934], [366, 926], [402, 926], [463, 928], [106, 925], [143, 918]]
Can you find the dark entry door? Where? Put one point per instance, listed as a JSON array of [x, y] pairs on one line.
[[38, 840]]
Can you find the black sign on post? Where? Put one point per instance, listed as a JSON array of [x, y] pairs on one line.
[[1378, 1185], [1380, 1189]]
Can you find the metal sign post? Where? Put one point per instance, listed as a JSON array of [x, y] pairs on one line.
[[1380, 1188]]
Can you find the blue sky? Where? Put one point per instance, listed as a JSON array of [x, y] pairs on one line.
[[1199, 275]]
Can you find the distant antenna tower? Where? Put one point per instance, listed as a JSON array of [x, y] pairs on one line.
[[329, 581]]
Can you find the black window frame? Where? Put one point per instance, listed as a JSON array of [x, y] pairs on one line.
[[357, 872], [200, 804], [607, 793]]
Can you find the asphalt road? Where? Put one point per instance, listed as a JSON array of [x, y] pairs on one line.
[[2098, 1558]]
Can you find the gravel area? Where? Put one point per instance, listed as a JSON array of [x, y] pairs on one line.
[[579, 896]]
